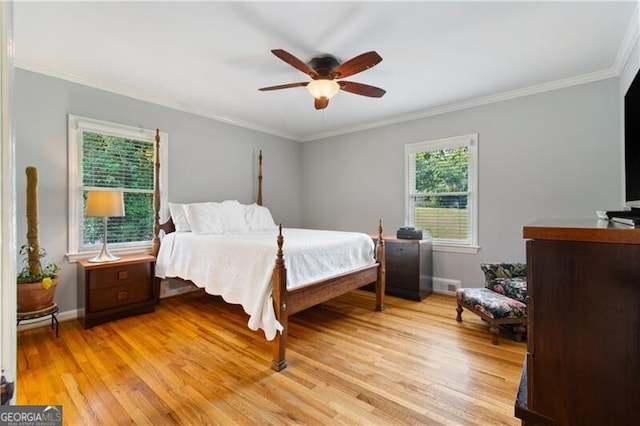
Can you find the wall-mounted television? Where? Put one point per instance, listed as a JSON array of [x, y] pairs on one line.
[[632, 144], [631, 155]]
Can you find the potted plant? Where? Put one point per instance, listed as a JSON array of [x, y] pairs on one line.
[[36, 282]]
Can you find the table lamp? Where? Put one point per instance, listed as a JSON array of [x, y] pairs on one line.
[[105, 204]]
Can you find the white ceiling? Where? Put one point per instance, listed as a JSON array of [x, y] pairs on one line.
[[210, 58]]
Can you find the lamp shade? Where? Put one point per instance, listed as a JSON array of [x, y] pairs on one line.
[[323, 88], [105, 203]]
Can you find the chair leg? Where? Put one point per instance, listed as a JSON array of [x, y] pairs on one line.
[[520, 331], [494, 334], [459, 311]]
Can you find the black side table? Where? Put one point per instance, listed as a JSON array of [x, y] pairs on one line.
[[52, 310]]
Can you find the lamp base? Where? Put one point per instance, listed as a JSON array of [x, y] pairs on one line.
[[103, 256]]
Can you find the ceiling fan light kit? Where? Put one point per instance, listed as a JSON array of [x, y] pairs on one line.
[[325, 70], [323, 89]]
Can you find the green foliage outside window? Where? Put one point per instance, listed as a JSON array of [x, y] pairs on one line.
[[441, 192], [116, 162], [442, 171]]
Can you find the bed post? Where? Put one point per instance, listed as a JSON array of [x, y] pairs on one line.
[[382, 270], [279, 293], [155, 246], [259, 201]]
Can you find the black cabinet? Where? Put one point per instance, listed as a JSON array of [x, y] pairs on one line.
[[409, 268]]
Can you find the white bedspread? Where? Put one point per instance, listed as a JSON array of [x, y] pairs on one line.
[[239, 266]]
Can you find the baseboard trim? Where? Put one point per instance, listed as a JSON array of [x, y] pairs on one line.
[[446, 286]]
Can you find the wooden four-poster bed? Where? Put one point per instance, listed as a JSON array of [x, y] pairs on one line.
[[286, 301]]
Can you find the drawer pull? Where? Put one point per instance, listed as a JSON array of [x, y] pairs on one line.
[[123, 275], [122, 295]]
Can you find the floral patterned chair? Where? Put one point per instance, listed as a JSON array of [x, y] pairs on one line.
[[509, 279], [501, 302]]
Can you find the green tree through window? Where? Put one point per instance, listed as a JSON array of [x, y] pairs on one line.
[[443, 171], [104, 155], [440, 185], [127, 164]]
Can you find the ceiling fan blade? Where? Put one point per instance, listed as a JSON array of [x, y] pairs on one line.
[[356, 65], [285, 86], [295, 62], [321, 103], [362, 89]]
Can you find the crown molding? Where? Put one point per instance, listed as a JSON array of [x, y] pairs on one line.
[[629, 41], [626, 47], [141, 95], [612, 72], [499, 97]]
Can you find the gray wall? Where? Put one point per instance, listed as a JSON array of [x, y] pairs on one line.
[[555, 154], [551, 155], [208, 159]]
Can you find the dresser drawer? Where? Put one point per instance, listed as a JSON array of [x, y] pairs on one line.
[[121, 275], [119, 295]]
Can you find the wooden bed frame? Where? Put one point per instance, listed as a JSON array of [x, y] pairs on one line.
[[288, 302]]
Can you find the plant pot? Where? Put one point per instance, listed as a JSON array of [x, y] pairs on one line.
[[33, 297]]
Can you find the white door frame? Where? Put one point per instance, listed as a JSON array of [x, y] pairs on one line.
[[7, 198]]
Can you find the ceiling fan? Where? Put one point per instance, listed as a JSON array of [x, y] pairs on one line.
[[325, 70]]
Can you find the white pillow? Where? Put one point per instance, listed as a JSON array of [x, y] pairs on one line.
[[205, 218], [179, 217], [234, 213], [259, 218]]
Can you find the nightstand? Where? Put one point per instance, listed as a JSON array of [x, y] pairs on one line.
[[112, 290], [409, 268]]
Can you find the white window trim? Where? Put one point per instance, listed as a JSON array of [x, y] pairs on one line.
[[78, 124], [472, 141]]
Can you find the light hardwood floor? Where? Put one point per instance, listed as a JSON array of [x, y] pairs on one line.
[[194, 361]]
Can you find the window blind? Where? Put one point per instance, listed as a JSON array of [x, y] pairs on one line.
[[440, 194], [127, 164]]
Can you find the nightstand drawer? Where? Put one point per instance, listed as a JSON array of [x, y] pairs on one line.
[[402, 271], [401, 251], [117, 276], [121, 295]]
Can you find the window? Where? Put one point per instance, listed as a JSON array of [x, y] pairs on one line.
[[106, 155], [442, 191]]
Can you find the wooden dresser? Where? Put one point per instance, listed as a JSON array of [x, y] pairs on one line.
[[583, 349], [112, 290], [409, 268]]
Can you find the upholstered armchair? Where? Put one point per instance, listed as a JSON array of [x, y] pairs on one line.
[[509, 279], [502, 302]]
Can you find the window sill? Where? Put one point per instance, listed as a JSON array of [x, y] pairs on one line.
[[452, 248], [74, 257]]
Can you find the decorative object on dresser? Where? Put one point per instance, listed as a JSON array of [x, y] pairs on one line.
[[409, 267], [112, 290], [409, 233], [583, 347], [501, 302], [105, 204]]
